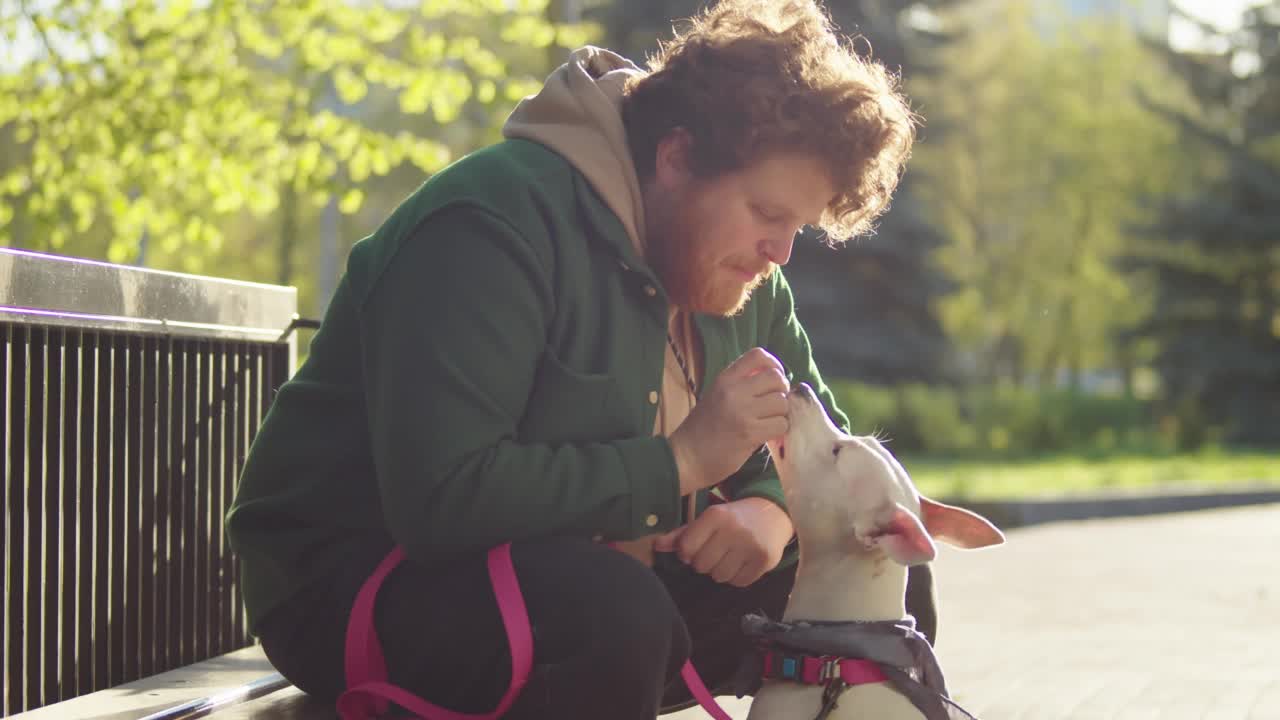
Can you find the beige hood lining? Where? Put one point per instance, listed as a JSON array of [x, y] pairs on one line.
[[578, 114]]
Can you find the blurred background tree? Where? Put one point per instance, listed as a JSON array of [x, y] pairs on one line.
[[1047, 169], [219, 137], [1213, 252]]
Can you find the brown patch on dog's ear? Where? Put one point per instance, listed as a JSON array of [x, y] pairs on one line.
[[957, 526]]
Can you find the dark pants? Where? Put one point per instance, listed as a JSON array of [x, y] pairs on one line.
[[609, 636]]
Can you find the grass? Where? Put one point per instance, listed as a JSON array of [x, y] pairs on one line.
[[1059, 475]]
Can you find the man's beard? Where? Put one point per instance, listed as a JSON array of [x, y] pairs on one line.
[[694, 280]]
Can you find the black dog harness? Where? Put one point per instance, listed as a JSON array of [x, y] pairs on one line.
[[818, 653]]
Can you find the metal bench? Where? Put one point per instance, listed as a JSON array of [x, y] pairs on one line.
[[130, 397]]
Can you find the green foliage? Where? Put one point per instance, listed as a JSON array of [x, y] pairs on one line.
[[1214, 252], [1042, 174], [179, 121], [1058, 475], [1001, 421]]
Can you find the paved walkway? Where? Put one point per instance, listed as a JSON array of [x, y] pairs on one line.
[[1168, 617]]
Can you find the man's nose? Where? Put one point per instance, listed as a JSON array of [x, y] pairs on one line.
[[778, 250]]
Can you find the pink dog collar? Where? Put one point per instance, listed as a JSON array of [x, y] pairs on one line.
[[815, 670]]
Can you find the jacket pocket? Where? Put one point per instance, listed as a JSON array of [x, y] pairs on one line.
[[566, 405]]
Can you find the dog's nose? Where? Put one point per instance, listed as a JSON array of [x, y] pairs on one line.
[[804, 391]]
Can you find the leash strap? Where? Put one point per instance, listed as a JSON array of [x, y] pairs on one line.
[[368, 691], [700, 693], [369, 694]]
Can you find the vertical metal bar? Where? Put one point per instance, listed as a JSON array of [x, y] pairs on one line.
[[177, 501], [85, 513], [264, 384], [15, 547], [68, 487], [194, 488], [51, 580], [222, 604], [6, 477], [216, 450], [101, 463], [187, 484], [167, 548], [148, 559], [245, 432], [131, 582], [234, 454], [102, 512], [229, 464], [118, 510], [203, 487], [269, 377], [231, 395], [131, 347], [34, 589]]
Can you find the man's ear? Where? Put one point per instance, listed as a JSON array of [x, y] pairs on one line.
[[957, 526], [673, 158], [899, 533]]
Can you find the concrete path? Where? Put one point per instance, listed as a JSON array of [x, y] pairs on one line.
[[1168, 617]]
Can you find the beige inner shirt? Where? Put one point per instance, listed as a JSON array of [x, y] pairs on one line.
[[675, 402]]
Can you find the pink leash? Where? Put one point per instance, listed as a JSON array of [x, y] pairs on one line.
[[369, 693]]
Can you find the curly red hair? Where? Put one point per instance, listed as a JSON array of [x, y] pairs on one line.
[[750, 77]]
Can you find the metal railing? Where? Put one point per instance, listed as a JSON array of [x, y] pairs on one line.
[[130, 398]]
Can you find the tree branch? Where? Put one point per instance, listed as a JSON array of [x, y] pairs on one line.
[[38, 24]]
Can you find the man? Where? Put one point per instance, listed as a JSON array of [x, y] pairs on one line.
[[566, 341]]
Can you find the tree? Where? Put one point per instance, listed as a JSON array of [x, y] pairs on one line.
[[1214, 252], [144, 131], [1039, 182], [875, 303]]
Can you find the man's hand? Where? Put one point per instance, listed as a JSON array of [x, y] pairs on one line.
[[734, 542], [745, 407]]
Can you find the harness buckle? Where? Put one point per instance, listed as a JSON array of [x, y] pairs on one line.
[[829, 670]]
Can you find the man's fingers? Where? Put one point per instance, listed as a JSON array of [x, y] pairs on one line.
[[747, 574], [666, 542], [710, 555], [755, 360], [729, 566], [771, 428], [694, 538], [769, 406], [767, 382]]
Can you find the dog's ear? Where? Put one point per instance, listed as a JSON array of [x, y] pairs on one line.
[[902, 537], [957, 526]]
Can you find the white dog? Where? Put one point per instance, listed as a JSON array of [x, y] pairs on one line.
[[860, 522]]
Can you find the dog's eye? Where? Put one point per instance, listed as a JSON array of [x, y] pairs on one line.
[[835, 451]]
